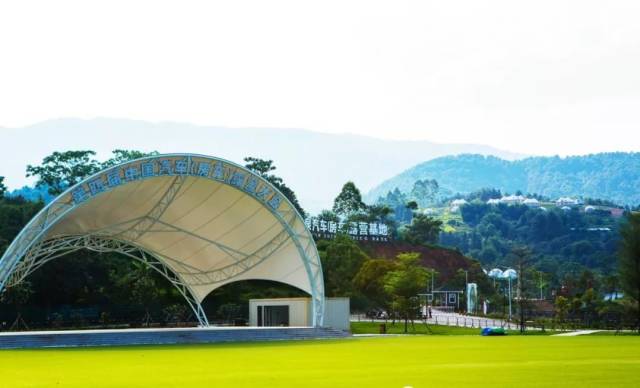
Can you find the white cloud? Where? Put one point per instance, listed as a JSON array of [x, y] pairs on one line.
[[540, 77]]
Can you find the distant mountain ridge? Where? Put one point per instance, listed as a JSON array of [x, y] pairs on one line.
[[314, 164], [612, 176]]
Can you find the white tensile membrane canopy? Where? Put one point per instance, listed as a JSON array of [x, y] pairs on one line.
[[200, 221]]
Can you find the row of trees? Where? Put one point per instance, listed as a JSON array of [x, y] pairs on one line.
[[349, 206]]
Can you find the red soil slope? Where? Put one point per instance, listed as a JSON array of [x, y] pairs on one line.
[[445, 261]]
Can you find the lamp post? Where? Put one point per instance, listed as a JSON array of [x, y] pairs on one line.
[[509, 274], [466, 286], [509, 298]]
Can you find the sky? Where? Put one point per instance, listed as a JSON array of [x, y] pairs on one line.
[[543, 77]]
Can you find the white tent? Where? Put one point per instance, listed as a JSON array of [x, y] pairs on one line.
[[200, 221]]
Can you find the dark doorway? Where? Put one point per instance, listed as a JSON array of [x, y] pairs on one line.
[[274, 316]]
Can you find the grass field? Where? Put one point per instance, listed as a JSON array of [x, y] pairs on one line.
[[420, 328], [417, 361]]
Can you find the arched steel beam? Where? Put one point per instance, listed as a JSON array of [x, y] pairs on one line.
[[43, 253], [219, 170]]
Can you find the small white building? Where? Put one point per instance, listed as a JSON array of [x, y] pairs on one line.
[[493, 201], [567, 201], [513, 199], [297, 312], [456, 204], [531, 202]]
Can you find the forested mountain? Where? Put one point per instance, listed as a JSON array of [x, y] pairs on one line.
[[610, 176], [314, 164]]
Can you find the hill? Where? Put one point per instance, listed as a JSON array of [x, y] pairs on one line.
[[610, 176], [314, 164]]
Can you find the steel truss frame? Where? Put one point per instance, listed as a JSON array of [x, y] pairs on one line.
[[50, 250], [29, 251]]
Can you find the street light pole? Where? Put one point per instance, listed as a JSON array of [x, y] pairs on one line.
[[466, 287], [509, 297]]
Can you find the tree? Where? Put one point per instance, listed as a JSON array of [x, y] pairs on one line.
[[18, 296], [143, 287], [629, 260], [484, 194], [379, 213], [328, 215], [424, 191], [123, 156], [521, 257], [370, 280], [562, 306], [397, 201], [263, 168], [404, 283], [62, 170], [393, 198], [341, 259], [412, 205], [423, 229], [3, 188], [472, 213], [228, 312], [349, 201], [589, 306]]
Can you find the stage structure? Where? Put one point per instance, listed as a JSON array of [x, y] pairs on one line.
[[201, 222]]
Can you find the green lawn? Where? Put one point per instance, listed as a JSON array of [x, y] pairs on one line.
[[417, 361], [420, 328]]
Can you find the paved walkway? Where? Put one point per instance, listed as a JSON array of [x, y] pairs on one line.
[[575, 333]]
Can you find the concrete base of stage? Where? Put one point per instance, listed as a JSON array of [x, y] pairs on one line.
[[124, 337]]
